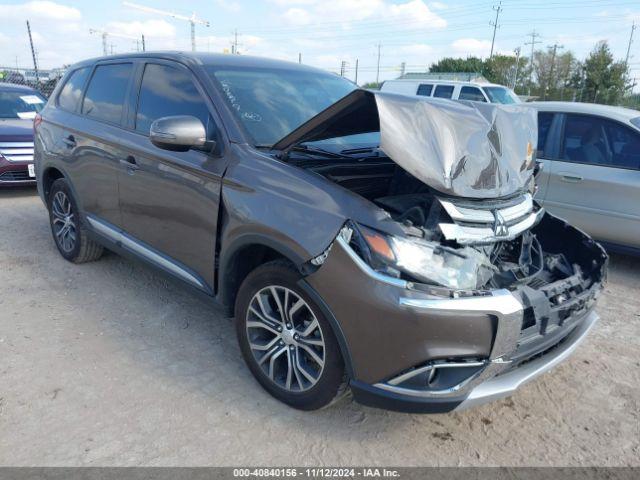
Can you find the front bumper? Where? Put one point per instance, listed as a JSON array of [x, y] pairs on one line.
[[485, 390], [15, 174], [393, 335]]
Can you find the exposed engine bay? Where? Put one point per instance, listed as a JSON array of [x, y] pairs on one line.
[[465, 244]]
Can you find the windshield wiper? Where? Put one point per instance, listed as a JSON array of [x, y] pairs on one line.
[[314, 151], [355, 151]]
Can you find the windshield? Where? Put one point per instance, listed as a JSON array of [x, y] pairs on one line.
[[501, 95], [22, 105], [271, 103]]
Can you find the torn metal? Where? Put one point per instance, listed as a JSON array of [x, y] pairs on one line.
[[470, 149]]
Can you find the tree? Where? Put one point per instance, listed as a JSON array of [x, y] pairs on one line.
[[604, 78], [372, 85], [464, 65]]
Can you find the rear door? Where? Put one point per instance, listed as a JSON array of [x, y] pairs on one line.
[[92, 140], [169, 200], [594, 180]]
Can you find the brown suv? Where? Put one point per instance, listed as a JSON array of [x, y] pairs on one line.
[[385, 243]]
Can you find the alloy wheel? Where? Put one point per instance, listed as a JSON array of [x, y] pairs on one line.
[[285, 338], [63, 221]]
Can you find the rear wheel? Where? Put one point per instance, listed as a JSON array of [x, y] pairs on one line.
[[66, 226], [285, 340]]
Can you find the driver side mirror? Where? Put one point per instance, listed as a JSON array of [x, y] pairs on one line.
[[179, 133]]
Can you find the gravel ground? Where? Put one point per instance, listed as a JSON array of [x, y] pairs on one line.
[[109, 364]]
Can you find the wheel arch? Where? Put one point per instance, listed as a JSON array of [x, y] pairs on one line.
[[248, 253]]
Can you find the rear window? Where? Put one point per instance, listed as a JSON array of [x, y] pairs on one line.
[[106, 92], [71, 93], [443, 91], [425, 90]]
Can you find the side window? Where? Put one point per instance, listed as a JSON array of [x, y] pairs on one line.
[[544, 124], [424, 90], [71, 93], [598, 141], [106, 92], [471, 93], [443, 91], [167, 91], [624, 144]]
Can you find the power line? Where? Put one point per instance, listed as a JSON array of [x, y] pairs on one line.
[[498, 9]]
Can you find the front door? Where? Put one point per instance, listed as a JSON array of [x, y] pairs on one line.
[[169, 200]]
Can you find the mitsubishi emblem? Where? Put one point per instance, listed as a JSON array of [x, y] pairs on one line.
[[500, 228]]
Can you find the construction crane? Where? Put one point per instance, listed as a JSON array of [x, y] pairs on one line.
[[193, 19], [104, 34]]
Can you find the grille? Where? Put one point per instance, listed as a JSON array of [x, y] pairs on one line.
[[17, 151], [15, 176], [488, 221]]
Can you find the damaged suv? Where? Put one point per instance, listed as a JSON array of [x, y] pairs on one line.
[[378, 242]]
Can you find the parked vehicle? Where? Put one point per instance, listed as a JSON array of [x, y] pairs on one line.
[[354, 249], [452, 90], [591, 173], [18, 107]]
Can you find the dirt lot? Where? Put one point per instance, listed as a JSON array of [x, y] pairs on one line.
[[109, 364]]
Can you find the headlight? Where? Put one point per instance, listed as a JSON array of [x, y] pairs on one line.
[[463, 269]]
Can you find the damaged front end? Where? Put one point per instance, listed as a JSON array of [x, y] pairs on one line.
[[475, 281]]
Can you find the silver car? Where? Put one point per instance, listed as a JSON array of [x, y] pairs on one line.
[[591, 169]]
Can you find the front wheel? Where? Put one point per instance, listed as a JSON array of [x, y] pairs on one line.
[[285, 340]]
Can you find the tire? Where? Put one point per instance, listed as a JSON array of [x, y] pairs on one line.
[[291, 371], [73, 243]]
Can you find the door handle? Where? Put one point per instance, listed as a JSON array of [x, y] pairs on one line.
[[130, 163], [566, 177], [69, 141]]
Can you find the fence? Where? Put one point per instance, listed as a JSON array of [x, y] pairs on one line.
[[44, 81]]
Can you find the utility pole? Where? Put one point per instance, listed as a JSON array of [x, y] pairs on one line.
[[143, 45], [515, 76], [33, 53], [533, 43], [553, 63], [300, 57], [633, 27], [356, 80], [378, 67], [495, 25], [343, 67], [403, 67]]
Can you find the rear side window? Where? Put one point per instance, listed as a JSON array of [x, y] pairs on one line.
[[424, 90], [599, 141], [624, 144], [471, 93], [106, 92], [71, 93], [544, 124], [443, 91], [167, 91]]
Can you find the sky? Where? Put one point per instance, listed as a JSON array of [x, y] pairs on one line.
[[324, 32]]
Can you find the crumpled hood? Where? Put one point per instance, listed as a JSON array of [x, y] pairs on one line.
[[466, 149]]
